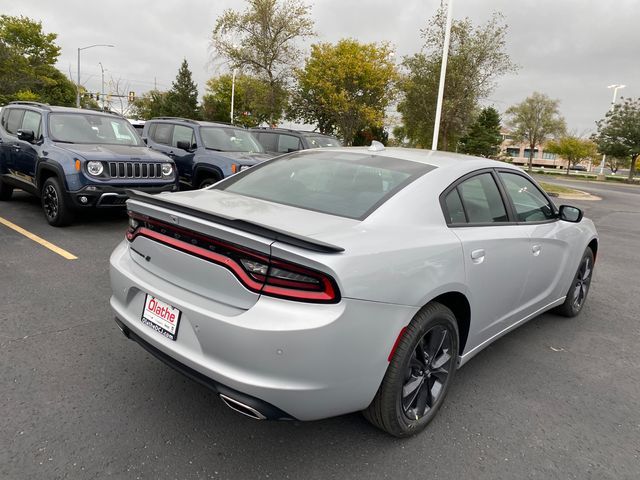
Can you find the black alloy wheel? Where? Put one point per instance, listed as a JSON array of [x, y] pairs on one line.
[[427, 373], [54, 204], [577, 294], [5, 191], [419, 374]]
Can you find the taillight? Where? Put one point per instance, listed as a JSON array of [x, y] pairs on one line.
[[256, 271]]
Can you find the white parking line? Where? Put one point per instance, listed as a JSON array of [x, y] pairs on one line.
[[37, 239]]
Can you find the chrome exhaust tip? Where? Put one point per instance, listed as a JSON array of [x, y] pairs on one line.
[[242, 408]]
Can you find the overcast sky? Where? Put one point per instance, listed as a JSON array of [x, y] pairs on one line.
[[568, 49]]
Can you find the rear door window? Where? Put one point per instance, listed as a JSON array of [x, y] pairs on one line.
[[288, 143], [161, 133], [269, 141], [482, 200], [14, 120]]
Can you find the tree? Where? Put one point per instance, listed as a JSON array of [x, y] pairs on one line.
[[573, 149], [476, 58], [615, 163], [262, 40], [619, 132], [251, 100], [483, 138], [535, 120], [151, 104], [182, 99], [346, 86], [27, 59]]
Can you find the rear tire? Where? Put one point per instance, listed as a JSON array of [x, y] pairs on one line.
[[54, 203], [5, 191], [419, 374], [579, 289]]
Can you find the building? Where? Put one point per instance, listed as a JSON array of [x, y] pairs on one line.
[[517, 153]]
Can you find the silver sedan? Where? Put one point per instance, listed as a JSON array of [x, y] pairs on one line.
[[326, 282]]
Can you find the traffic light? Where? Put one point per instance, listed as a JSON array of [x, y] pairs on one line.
[[132, 96], [97, 96]]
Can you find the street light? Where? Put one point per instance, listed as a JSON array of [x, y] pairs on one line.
[[443, 73], [233, 91], [615, 87], [102, 89], [78, 84]]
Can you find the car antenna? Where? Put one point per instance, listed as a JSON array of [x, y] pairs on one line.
[[376, 146]]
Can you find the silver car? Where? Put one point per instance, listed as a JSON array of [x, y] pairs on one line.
[[325, 282]]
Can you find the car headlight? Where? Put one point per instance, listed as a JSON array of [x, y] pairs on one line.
[[167, 169], [95, 168]]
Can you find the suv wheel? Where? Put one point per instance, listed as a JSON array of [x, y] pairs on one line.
[[5, 191], [419, 375], [55, 208], [207, 182]]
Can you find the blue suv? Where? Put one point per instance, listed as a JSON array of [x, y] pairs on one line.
[[204, 152], [75, 159]]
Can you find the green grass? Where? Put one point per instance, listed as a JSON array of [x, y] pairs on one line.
[[558, 189]]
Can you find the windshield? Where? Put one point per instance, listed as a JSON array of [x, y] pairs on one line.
[[321, 141], [345, 184], [229, 139], [91, 128]]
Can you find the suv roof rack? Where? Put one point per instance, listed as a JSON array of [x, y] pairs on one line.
[[177, 118], [33, 104], [110, 112]]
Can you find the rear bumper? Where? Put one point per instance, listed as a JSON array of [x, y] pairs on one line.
[[307, 361], [110, 196]]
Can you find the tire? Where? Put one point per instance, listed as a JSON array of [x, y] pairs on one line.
[[400, 409], [579, 289], [5, 191], [207, 182], [54, 203]]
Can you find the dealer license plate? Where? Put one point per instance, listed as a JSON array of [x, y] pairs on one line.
[[161, 317]]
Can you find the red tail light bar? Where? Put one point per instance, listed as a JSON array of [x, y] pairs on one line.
[[258, 272]]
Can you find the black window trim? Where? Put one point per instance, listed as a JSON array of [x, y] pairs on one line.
[[506, 200]]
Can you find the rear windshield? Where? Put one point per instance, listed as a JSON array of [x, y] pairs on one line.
[[317, 141], [349, 185], [91, 128]]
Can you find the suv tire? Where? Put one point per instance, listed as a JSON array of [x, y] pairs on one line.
[[54, 203], [5, 191]]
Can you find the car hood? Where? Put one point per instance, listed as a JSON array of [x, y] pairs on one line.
[[245, 158], [297, 221], [114, 152]]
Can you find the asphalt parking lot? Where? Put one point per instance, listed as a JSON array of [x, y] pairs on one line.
[[557, 398]]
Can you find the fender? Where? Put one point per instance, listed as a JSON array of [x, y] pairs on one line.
[[201, 168], [48, 165]]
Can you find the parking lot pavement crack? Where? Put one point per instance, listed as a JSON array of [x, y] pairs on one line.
[[48, 332]]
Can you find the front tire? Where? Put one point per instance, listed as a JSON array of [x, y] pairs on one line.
[[54, 204], [5, 191], [207, 182], [577, 294], [419, 374]]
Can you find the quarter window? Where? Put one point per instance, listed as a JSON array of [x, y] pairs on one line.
[[481, 199], [529, 202]]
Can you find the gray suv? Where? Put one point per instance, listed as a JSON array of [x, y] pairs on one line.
[[278, 141], [204, 152]]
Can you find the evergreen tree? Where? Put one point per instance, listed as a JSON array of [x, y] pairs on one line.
[[483, 138], [182, 99]]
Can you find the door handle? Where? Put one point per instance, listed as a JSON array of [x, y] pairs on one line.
[[536, 249], [477, 256]]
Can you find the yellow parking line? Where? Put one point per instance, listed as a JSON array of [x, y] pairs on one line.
[[37, 239]]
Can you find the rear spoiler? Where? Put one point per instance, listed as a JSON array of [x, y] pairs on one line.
[[250, 227]]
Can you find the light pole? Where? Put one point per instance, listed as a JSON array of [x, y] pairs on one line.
[[233, 91], [102, 89], [615, 87], [78, 84], [443, 73]]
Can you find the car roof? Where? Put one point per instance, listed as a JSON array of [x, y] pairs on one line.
[[56, 108], [190, 121], [430, 157], [289, 130]]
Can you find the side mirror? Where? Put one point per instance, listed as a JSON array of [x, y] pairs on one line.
[[184, 145], [570, 214], [26, 135]]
